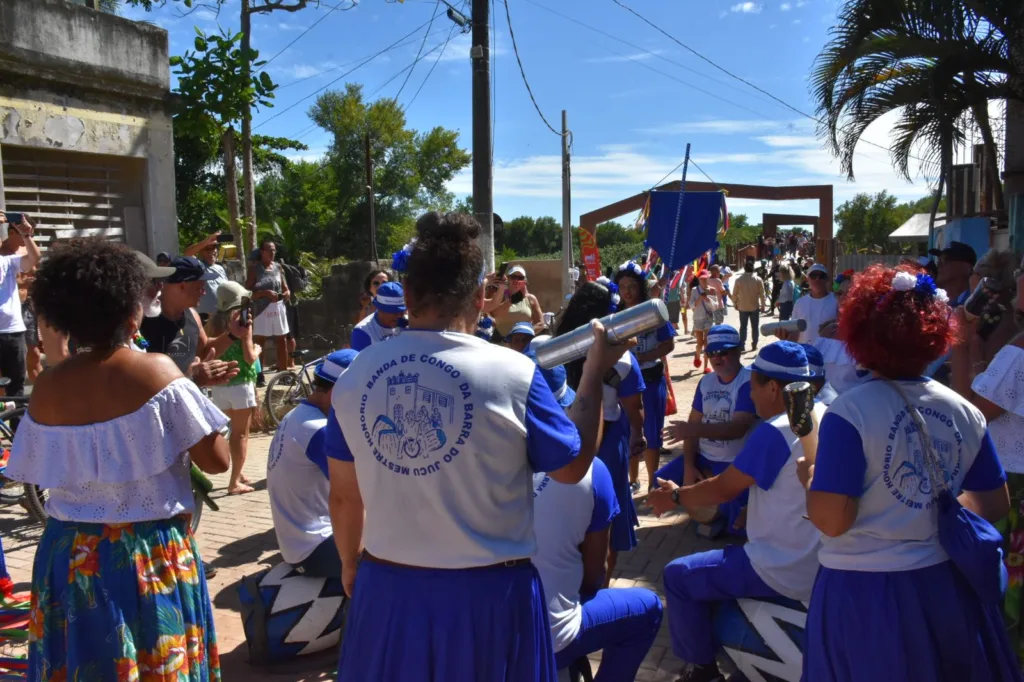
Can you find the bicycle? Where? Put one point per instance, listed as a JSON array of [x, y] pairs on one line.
[[289, 388]]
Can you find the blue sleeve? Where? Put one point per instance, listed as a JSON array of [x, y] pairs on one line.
[[665, 332], [840, 467], [763, 455], [744, 403], [552, 440], [987, 471], [359, 340], [698, 398], [315, 450], [335, 446], [633, 384], [606, 504]]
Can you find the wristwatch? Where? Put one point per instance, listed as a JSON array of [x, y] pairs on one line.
[[675, 496]]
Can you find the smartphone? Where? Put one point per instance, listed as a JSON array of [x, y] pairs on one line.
[[14, 218], [244, 316], [225, 238], [502, 269]]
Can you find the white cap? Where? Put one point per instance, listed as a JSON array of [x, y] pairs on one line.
[[817, 267]]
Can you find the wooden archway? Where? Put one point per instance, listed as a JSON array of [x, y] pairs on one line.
[[823, 194]]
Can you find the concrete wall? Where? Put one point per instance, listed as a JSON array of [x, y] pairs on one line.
[[75, 79]]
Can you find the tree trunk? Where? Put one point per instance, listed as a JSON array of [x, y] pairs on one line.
[[991, 156], [945, 167], [231, 185], [249, 192]]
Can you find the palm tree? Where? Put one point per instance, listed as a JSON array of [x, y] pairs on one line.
[[110, 6], [937, 62]]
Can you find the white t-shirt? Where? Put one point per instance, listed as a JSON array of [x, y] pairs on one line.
[[783, 545], [297, 483], [446, 431], [816, 311], [631, 384], [369, 331], [718, 402], [11, 321], [841, 370], [869, 448], [563, 515], [1002, 383]]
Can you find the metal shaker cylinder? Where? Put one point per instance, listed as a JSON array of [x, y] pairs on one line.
[[621, 327], [789, 326]]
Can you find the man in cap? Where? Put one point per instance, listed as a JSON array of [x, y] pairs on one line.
[[817, 308], [178, 333], [956, 263], [13, 261], [386, 321], [520, 337], [297, 477], [781, 557], [206, 252], [721, 417]]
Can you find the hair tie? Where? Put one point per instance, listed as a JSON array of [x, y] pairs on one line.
[[613, 289], [400, 259], [922, 285], [633, 267]]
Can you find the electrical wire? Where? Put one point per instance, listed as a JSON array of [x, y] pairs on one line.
[[311, 27], [434, 66], [362, 63], [433, 16], [407, 68], [522, 71]]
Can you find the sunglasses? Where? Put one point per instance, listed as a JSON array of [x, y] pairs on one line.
[[516, 278], [718, 354], [818, 275]]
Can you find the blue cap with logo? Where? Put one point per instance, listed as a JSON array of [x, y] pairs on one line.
[[522, 328], [335, 364], [390, 298], [783, 360], [722, 337]]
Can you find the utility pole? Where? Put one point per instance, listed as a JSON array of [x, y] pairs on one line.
[[483, 197], [370, 200], [567, 284]]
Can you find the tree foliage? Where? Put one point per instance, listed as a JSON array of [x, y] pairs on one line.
[[866, 221]]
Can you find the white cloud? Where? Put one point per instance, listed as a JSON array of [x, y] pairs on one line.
[[772, 27], [312, 154], [307, 70], [801, 3], [796, 22], [746, 8], [612, 59], [785, 7], [721, 127], [285, 26]]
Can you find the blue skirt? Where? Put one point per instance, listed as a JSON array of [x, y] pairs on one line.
[[925, 625], [655, 399], [434, 625], [614, 452]]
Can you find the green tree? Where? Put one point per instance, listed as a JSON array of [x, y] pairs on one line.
[[529, 237], [215, 93], [937, 62], [866, 221], [613, 233], [411, 168]]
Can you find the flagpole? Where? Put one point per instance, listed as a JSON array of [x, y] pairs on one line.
[[679, 208]]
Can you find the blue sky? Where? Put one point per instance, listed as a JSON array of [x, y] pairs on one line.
[[630, 123]]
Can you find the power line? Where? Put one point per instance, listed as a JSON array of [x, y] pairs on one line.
[[312, 26], [411, 66], [522, 71], [362, 63], [434, 66], [437, 6]]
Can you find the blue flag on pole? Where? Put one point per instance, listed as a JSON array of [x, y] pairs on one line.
[[696, 231]]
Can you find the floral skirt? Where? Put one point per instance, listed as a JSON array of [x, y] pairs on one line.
[[1012, 528], [121, 602]]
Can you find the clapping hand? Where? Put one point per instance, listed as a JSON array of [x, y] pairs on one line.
[[660, 498]]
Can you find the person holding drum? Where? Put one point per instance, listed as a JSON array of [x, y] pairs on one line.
[[432, 441], [781, 557]]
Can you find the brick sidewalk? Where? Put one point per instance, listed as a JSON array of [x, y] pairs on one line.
[[239, 540]]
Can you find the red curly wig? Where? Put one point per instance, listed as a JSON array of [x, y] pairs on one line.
[[895, 333]]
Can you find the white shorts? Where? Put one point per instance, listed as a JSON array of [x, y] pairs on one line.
[[237, 397], [271, 322]]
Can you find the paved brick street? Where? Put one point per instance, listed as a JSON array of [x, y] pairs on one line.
[[239, 540]]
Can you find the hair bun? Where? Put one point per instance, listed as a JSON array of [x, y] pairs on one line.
[[453, 227]]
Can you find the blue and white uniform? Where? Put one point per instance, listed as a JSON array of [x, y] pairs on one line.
[[622, 623], [656, 393], [614, 449], [779, 559], [297, 483], [445, 431], [888, 604], [370, 331], [841, 371]]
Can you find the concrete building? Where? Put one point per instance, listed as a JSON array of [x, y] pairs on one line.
[[85, 124]]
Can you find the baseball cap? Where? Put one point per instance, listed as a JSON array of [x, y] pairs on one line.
[[522, 328], [189, 269], [335, 364], [390, 298], [783, 360], [153, 271], [722, 337], [163, 257], [817, 267], [516, 270], [231, 295], [957, 251]]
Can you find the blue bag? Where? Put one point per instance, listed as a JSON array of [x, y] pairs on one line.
[[973, 544]]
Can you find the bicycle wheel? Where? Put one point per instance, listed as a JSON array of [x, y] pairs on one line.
[[35, 503], [284, 392]]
